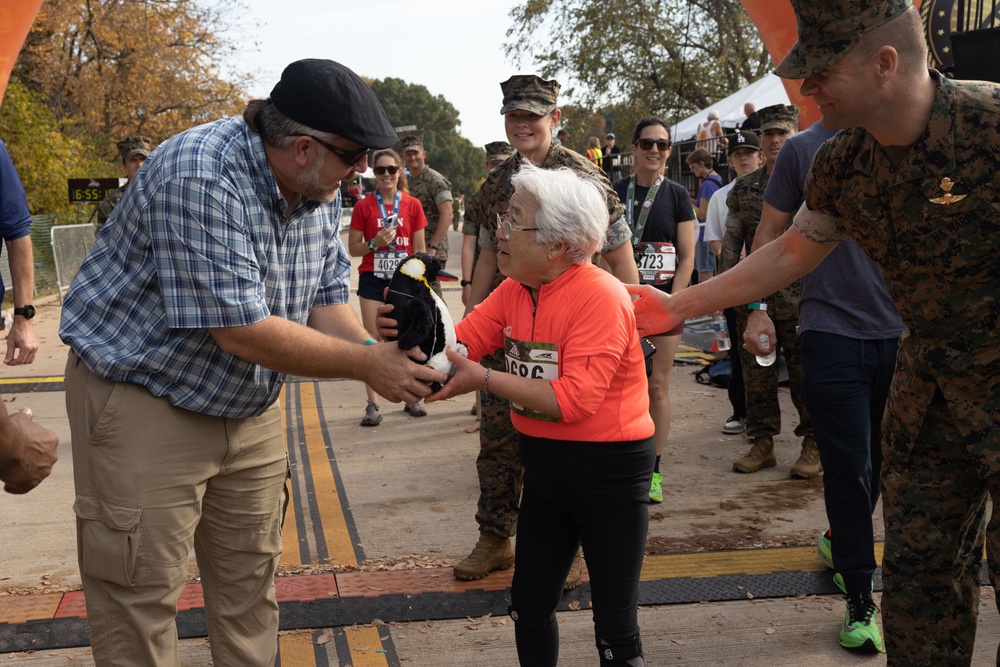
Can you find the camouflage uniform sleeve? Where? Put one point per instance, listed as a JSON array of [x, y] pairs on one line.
[[441, 189], [470, 223], [819, 219]]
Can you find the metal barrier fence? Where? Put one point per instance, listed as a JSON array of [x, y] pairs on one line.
[[70, 245], [47, 268]]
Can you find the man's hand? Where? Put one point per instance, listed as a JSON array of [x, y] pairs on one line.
[[28, 453], [21, 343], [759, 323], [653, 310], [393, 374]]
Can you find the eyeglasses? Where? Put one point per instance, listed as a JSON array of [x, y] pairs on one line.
[[647, 144], [382, 171], [505, 227], [349, 158]]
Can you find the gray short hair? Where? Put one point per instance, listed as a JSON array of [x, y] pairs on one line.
[[275, 128], [572, 209]]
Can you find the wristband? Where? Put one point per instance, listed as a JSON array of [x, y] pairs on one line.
[[757, 305], [371, 245], [371, 341], [486, 380]]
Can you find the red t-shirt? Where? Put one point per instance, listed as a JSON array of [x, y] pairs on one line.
[[367, 219]]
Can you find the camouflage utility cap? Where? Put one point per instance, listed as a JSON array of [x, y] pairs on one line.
[[498, 150], [743, 139], [412, 143], [530, 93], [130, 146], [780, 116], [828, 29]]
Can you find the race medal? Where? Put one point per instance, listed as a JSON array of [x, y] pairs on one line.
[[538, 361], [386, 261], [656, 261]]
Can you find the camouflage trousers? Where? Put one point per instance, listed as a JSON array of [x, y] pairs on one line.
[[934, 503], [761, 382], [499, 462]]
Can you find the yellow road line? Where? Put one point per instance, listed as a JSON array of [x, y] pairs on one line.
[[42, 380], [365, 644], [744, 561], [331, 507], [296, 648]]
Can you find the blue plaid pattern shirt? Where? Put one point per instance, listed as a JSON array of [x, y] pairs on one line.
[[199, 241]]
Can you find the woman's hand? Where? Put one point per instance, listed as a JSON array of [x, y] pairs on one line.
[[468, 377], [653, 310], [385, 236]]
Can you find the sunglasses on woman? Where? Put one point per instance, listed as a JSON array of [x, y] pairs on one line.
[[382, 171], [647, 144]]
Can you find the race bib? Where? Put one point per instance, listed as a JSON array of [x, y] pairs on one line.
[[656, 262], [386, 262], [539, 361]]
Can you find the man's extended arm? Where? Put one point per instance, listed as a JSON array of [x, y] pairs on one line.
[[445, 215]]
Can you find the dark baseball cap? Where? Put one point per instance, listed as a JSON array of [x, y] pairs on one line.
[[828, 29], [327, 96], [743, 139]]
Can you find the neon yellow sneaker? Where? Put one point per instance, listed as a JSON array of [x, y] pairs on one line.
[[860, 630], [656, 489], [824, 549]]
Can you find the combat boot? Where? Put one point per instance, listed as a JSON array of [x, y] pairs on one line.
[[492, 552], [808, 465], [761, 455]]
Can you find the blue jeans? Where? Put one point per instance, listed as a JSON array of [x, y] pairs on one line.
[[845, 383]]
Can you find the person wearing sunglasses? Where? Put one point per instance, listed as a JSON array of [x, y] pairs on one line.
[[225, 274], [530, 113], [387, 226], [661, 220], [575, 380]]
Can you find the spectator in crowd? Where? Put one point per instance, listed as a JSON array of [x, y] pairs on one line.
[[744, 157], [594, 153], [133, 152], [585, 435], [612, 161], [703, 166], [660, 218], [562, 138], [530, 114], [752, 121], [910, 177], [434, 192], [15, 229], [710, 135], [226, 274], [848, 333], [387, 226], [745, 202]]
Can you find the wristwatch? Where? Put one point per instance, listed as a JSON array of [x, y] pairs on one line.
[[371, 245], [466, 282], [27, 312]]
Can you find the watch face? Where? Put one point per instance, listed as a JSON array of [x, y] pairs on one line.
[[27, 312]]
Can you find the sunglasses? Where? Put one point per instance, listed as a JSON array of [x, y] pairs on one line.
[[382, 171], [647, 144], [350, 158]]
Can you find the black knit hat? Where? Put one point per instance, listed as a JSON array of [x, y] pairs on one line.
[[329, 97]]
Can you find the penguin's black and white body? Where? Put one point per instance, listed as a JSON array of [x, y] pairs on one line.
[[422, 318]]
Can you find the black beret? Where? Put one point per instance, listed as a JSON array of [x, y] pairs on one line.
[[329, 97]]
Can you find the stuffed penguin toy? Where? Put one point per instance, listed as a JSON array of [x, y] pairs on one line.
[[422, 318]]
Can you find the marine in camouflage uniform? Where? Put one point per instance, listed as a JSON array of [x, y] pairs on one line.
[[496, 153], [928, 213], [432, 189], [745, 202], [499, 463], [128, 148]]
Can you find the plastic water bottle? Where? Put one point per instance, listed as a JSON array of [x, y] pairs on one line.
[[770, 357], [721, 332]]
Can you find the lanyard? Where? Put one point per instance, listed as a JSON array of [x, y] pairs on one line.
[[381, 205], [647, 203]]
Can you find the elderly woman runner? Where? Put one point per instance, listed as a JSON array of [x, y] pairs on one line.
[[577, 388]]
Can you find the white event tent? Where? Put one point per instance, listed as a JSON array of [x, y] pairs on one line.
[[763, 92]]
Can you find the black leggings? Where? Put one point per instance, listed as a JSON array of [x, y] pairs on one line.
[[590, 493]]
